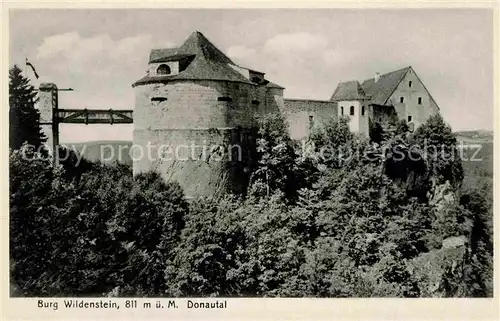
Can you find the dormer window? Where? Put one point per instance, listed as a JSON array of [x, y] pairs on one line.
[[158, 99], [255, 77], [163, 69]]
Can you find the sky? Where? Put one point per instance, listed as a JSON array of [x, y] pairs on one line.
[[101, 52]]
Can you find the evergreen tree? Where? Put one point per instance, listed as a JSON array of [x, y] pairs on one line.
[[23, 116]]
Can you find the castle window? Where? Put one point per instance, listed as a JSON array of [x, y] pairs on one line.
[[256, 79], [342, 110], [409, 84], [352, 111], [163, 69], [362, 110], [420, 100], [225, 98], [409, 118], [158, 99], [401, 99]]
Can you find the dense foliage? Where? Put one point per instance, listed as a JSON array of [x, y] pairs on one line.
[[310, 225], [88, 236]]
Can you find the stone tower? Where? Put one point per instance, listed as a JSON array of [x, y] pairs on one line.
[[195, 117], [353, 102], [48, 105]]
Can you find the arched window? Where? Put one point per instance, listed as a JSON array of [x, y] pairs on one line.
[[352, 111], [163, 69], [362, 110], [342, 110], [410, 83]]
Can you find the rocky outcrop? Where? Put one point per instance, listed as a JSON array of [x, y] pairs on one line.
[[443, 195], [440, 273]]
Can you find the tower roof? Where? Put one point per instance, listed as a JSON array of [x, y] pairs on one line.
[[208, 62], [348, 90], [197, 44]]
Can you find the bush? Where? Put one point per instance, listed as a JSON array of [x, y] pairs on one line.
[[85, 237]]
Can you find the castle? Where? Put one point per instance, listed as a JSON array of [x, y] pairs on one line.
[[196, 101]]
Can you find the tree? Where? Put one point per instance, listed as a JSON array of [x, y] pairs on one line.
[[279, 167], [209, 258], [438, 142], [402, 127], [332, 139], [31, 206], [23, 116], [376, 132]]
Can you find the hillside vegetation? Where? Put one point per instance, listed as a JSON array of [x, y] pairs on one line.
[[312, 223]]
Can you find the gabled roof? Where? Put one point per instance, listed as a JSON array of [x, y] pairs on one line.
[[209, 63], [349, 90], [382, 90]]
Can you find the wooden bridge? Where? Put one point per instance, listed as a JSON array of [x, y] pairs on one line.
[[93, 116], [51, 115]]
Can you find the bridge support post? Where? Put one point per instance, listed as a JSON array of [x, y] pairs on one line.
[[48, 105]]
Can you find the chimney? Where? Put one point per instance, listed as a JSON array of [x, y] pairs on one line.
[[377, 76]]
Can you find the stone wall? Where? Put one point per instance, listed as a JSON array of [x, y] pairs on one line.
[[410, 106], [298, 113], [384, 115], [194, 104], [359, 122], [205, 162], [185, 130], [47, 101]]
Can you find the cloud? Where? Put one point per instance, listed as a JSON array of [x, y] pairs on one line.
[[241, 53], [98, 54], [295, 61], [300, 41], [54, 45], [100, 69], [310, 50], [332, 57]]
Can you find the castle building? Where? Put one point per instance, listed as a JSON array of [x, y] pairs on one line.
[[388, 98], [195, 104], [195, 117]]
